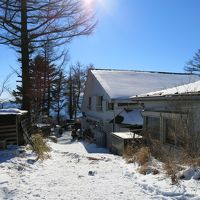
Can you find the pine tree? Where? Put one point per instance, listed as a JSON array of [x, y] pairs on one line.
[[59, 101], [193, 65]]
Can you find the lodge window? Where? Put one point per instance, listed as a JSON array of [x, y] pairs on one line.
[[174, 131], [99, 103], [127, 104], [90, 103], [170, 131], [153, 127], [110, 106]]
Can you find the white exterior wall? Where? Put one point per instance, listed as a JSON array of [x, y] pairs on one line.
[[93, 89]]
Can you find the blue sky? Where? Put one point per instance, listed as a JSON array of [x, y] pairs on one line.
[[159, 35], [143, 34]]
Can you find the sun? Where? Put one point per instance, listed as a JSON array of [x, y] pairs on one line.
[[100, 4], [88, 2]]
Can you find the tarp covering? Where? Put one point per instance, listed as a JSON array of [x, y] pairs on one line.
[[129, 117]]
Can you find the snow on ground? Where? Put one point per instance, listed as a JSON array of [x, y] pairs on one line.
[[82, 171]]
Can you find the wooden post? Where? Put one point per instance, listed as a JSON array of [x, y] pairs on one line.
[[17, 132]]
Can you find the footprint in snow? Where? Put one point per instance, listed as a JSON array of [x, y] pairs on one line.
[[36, 195], [4, 182]]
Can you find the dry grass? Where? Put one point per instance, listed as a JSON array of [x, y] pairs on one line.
[[129, 152], [40, 147], [142, 156], [144, 169], [172, 170], [135, 154], [158, 150], [192, 161], [172, 157]]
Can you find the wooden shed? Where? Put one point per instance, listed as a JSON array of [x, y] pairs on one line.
[[120, 140], [10, 126]]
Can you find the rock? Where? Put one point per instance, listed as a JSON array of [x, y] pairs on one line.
[[20, 168], [197, 174], [53, 138], [20, 153], [31, 161], [92, 173]]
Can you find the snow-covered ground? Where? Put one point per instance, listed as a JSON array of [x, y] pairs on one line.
[[81, 171]]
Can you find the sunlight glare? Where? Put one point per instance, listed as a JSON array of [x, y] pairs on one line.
[[91, 3], [107, 7], [88, 3]]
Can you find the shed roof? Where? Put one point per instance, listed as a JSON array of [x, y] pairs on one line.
[[126, 135], [12, 111], [190, 88], [123, 84]]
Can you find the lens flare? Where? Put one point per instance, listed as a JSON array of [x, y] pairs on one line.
[[88, 3]]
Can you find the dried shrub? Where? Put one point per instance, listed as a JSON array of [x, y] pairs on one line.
[[142, 155], [136, 154], [155, 171], [192, 161], [172, 170], [40, 147], [129, 153]]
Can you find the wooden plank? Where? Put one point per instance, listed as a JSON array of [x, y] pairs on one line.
[[8, 130], [11, 139], [7, 126], [27, 126], [3, 144], [11, 142], [16, 129], [7, 134], [24, 122]]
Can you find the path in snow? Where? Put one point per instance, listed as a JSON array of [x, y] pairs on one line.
[[70, 174]]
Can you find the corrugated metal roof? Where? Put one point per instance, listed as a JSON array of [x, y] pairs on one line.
[[122, 84], [190, 88]]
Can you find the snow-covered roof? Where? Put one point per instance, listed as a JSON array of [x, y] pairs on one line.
[[12, 111], [126, 135], [190, 88], [123, 84]]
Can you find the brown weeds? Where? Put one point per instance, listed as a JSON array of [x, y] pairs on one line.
[[40, 147]]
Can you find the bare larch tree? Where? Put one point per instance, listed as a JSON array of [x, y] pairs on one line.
[[25, 25]]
